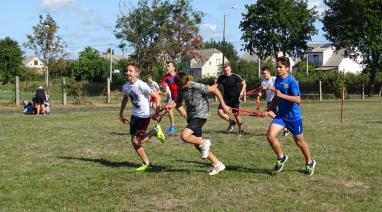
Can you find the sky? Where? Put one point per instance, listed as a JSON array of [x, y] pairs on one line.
[[92, 22]]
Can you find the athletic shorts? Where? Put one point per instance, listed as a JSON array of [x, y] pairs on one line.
[[196, 124], [295, 127], [138, 126], [235, 103], [273, 109]]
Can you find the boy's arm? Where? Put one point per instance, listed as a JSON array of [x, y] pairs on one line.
[[122, 119], [294, 99], [157, 101], [215, 90], [243, 87]]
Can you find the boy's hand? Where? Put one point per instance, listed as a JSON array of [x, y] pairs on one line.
[[226, 108], [123, 120]]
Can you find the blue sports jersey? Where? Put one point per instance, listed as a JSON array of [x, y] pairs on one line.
[[288, 110]]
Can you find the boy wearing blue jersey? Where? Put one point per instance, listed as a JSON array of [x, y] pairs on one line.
[[289, 116]]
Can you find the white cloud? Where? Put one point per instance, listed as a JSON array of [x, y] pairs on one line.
[[319, 4], [54, 5], [88, 13], [209, 31]]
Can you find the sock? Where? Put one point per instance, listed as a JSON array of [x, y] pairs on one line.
[[146, 163]]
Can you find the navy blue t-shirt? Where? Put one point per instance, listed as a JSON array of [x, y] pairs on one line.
[[288, 110]]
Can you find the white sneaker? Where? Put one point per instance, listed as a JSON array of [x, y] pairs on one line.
[[218, 168], [205, 149]]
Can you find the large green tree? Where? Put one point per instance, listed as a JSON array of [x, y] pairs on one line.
[[273, 26], [158, 30], [357, 27], [11, 58], [226, 47], [45, 41], [92, 66]]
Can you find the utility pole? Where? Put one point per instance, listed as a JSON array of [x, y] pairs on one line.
[[111, 64], [223, 41], [307, 64]]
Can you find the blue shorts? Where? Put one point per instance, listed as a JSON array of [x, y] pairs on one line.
[[295, 127]]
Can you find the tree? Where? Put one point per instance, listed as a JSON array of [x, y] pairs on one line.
[[10, 59], [159, 30], [45, 42], [357, 27], [92, 66], [227, 48], [181, 30], [273, 26]]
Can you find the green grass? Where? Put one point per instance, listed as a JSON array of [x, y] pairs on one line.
[[80, 158]]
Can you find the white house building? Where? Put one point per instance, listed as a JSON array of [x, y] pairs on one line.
[[33, 62], [207, 64], [254, 58], [323, 57]]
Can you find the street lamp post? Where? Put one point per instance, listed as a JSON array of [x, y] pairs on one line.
[[223, 41]]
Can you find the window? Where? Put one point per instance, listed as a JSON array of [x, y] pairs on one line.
[[316, 61], [218, 62], [35, 62]]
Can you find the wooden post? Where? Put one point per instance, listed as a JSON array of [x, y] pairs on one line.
[[17, 88], [343, 96], [380, 92], [245, 97], [63, 91], [108, 90], [363, 90], [320, 90]]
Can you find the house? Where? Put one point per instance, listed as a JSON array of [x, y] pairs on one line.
[[324, 58], [207, 63], [34, 62], [116, 58], [254, 58]]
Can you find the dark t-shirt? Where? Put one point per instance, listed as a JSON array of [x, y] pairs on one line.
[[231, 85]]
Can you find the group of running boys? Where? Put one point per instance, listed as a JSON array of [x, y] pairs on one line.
[[190, 99]]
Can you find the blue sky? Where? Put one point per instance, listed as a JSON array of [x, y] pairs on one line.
[[91, 22]]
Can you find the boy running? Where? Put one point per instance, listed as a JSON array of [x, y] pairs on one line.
[[169, 80], [289, 116], [195, 97], [269, 81], [154, 87], [234, 88], [139, 92]]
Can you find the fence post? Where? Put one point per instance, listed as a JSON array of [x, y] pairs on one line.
[[320, 90], [108, 90], [363, 90], [380, 91], [17, 94], [63, 91]]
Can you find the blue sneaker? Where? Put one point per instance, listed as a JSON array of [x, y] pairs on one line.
[[171, 130]]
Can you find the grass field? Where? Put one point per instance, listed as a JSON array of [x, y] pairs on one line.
[[80, 158]]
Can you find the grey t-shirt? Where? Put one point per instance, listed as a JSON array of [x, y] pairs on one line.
[[195, 98]]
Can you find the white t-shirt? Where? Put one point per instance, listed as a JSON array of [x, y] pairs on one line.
[[139, 96], [269, 83], [154, 86]]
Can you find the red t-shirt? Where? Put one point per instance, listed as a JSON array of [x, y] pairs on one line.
[[170, 81]]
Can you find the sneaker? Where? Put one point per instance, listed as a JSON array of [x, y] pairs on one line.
[[309, 169], [160, 135], [143, 167], [280, 163], [241, 132], [231, 125], [205, 149], [216, 169], [286, 132], [171, 130]]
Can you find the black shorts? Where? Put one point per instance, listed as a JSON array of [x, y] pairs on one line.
[[138, 126], [40, 100], [235, 103], [196, 124], [273, 109]]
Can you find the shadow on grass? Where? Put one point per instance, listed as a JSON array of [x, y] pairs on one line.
[[119, 133], [233, 168], [155, 168]]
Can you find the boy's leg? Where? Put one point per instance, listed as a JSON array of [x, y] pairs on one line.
[[211, 157], [273, 130], [301, 143], [172, 128], [182, 112], [139, 149]]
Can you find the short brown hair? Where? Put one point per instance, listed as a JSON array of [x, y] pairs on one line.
[[171, 62], [284, 61], [266, 68], [136, 66], [181, 79], [226, 65]]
